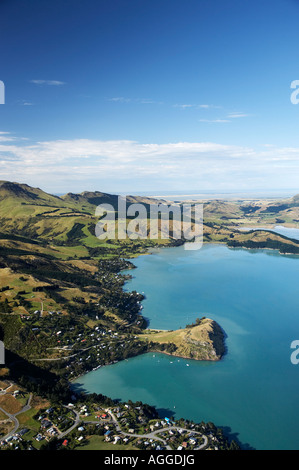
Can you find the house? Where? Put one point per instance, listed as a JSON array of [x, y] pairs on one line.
[[45, 423], [65, 443], [52, 431]]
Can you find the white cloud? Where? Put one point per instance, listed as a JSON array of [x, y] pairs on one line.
[[120, 99], [6, 137], [48, 82], [183, 106], [237, 115], [196, 106], [208, 106]]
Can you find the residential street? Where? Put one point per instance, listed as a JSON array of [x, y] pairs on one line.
[[13, 418]]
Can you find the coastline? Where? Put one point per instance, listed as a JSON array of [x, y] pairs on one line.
[[153, 250], [164, 353]]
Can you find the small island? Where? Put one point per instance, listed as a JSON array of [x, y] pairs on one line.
[[202, 341]]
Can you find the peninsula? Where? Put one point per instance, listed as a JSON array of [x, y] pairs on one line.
[[202, 341]]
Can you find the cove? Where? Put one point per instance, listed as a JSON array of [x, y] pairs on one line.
[[253, 295]]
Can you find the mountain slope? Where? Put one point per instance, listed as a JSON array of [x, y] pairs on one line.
[[33, 213]]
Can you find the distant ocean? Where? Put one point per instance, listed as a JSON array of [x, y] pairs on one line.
[[205, 194], [225, 194]]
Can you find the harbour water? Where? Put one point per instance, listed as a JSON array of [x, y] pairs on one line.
[[253, 295]]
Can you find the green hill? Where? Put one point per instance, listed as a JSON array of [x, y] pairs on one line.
[[33, 213]]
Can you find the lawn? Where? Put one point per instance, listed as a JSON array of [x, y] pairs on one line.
[[10, 404]]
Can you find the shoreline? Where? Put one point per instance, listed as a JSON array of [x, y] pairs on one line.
[[148, 252]]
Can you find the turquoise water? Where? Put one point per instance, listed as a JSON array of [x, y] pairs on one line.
[[253, 295]]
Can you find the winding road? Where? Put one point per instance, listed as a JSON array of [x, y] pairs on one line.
[[152, 435], [13, 418]]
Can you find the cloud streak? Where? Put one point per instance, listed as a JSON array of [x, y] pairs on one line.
[[48, 82], [237, 115]]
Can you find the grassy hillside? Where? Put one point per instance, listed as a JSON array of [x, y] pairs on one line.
[[70, 219]]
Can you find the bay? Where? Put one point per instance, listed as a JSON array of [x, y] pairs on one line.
[[253, 295]]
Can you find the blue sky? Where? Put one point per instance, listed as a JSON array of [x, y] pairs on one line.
[[149, 95]]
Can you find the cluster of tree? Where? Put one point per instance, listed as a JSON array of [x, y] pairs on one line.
[[114, 265], [76, 232], [269, 244], [5, 307], [163, 347], [196, 323]]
